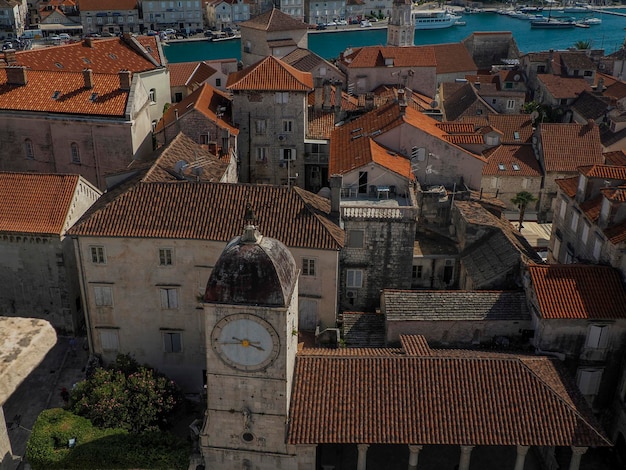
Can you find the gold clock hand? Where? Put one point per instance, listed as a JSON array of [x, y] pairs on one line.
[[246, 342]]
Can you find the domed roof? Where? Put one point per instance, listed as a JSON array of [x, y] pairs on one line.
[[253, 270]]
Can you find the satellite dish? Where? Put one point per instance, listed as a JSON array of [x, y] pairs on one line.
[[180, 166], [516, 77], [534, 115], [434, 104], [197, 171]]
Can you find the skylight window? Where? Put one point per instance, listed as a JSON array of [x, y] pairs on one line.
[[112, 56], [58, 65], [516, 135], [86, 60], [501, 167], [516, 167], [56, 94], [93, 97], [353, 131]]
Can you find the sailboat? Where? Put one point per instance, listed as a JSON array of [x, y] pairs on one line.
[[552, 23]]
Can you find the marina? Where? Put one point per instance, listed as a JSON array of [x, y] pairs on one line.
[[608, 35], [434, 19]]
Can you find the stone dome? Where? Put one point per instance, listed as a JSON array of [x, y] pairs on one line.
[[253, 270]]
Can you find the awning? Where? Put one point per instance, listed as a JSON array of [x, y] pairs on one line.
[[61, 27]]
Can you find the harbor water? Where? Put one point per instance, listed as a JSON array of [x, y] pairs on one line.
[[609, 35]]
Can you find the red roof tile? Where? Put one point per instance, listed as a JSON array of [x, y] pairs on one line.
[[511, 157], [35, 203], [270, 74], [616, 194], [568, 185], [604, 171], [572, 291], [374, 56], [103, 56], [453, 57], [107, 5], [390, 160], [591, 207], [104, 99], [423, 396], [568, 146], [274, 20], [563, 87], [213, 211], [618, 158], [180, 72]]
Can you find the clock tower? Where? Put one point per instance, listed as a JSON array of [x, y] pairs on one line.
[[401, 27], [251, 320]]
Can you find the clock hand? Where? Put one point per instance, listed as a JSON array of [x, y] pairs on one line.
[[247, 342]]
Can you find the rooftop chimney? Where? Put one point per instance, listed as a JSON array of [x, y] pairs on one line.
[[16, 75], [336, 181], [319, 94], [327, 93], [88, 77], [9, 57], [600, 87], [402, 101], [125, 78], [89, 42], [369, 101]]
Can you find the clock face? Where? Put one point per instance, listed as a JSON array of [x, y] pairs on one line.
[[245, 342]]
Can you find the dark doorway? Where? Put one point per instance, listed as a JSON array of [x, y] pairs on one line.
[[362, 182]]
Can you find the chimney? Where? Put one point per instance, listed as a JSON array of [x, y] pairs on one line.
[[600, 87], [88, 77], [369, 101], [16, 75], [319, 94], [338, 95], [89, 42], [9, 57], [335, 195], [327, 93], [125, 78], [402, 101], [549, 68]]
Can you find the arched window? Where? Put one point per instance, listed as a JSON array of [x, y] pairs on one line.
[[29, 150], [75, 152], [152, 95]]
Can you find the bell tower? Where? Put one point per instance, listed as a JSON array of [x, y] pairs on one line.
[[251, 324], [401, 28]]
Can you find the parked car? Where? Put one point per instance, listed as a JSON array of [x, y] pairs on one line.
[[342, 22], [65, 36], [152, 33], [170, 31], [198, 31], [92, 35], [354, 22], [7, 45], [365, 24], [106, 34], [53, 38], [331, 23], [320, 27], [208, 33]]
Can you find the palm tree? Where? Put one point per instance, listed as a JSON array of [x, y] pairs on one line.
[[581, 45], [521, 200]]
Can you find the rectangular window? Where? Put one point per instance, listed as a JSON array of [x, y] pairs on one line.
[[259, 126], [417, 272], [597, 337], [261, 154], [354, 278], [287, 125], [308, 267], [103, 296], [563, 209], [589, 381], [574, 223], [97, 255], [109, 340], [169, 298], [172, 342], [282, 97], [288, 154], [510, 104], [597, 248], [585, 235], [218, 82], [355, 238], [165, 257]]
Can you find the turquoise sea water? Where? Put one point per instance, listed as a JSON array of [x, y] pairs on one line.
[[609, 36]]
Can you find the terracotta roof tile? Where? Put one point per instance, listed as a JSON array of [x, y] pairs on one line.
[[180, 72], [568, 146], [617, 233], [617, 157], [40, 94], [465, 139], [391, 160], [513, 160], [452, 58], [423, 396], [573, 291], [374, 56], [615, 194], [270, 74], [591, 207], [103, 56], [274, 20], [568, 185], [204, 100], [321, 124], [604, 171], [213, 211], [512, 124], [35, 203], [452, 127], [563, 87]]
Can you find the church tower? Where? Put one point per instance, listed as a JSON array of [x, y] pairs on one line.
[[401, 28], [251, 324]]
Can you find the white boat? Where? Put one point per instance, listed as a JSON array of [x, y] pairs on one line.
[[434, 19], [577, 8], [592, 20]]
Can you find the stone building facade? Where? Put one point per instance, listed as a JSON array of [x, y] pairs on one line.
[[111, 16]]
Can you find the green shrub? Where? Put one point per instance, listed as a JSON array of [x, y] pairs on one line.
[[48, 448]]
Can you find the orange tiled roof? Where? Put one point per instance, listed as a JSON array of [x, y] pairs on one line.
[[509, 124], [104, 99], [35, 203], [616, 194], [390, 160], [104, 56], [350, 147], [107, 5], [568, 146], [270, 74], [571, 291], [617, 157], [413, 395], [321, 124], [604, 171], [274, 20], [374, 56], [151, 45], [180, 72], [213, 211], [617, 233], [509, 157], [452, 58], [452, 127], [591, 207], [568, 185], [563, 87], [467, 139]]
